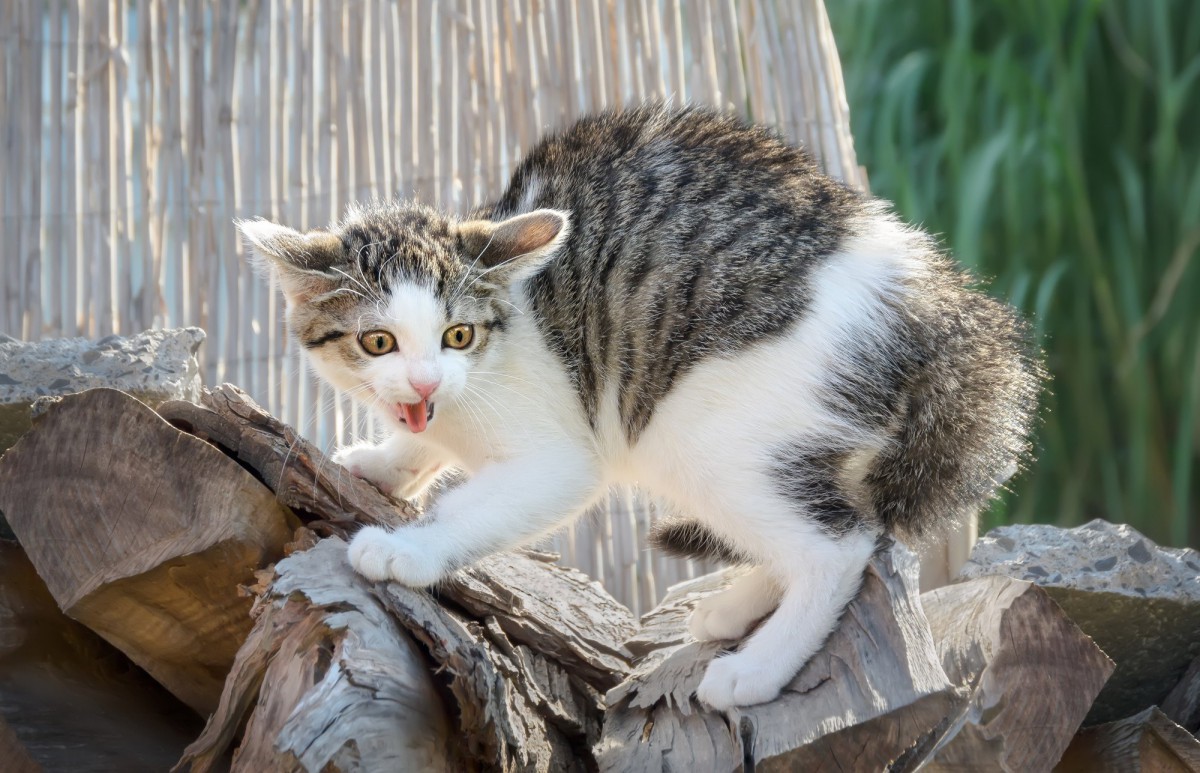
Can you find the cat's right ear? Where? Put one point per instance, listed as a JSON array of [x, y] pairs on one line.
[[304, 264]]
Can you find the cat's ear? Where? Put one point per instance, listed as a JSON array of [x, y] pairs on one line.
[[516, 246], [304, 263]]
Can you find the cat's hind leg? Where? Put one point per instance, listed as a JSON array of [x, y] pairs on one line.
[[730, 614], [821, 579]]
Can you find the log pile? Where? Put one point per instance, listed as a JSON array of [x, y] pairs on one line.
[[182, 572]]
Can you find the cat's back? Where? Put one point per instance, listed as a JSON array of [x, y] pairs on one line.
[[693, 234]]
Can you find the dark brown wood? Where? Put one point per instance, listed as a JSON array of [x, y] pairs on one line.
[[71, 701], [1182, 705], [14, 757], [1148, 741], [875, 690], [143, 533], [348, 689], [1031, 674], [323, 494]]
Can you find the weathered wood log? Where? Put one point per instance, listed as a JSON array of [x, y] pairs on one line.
[[323, 494], [71, 701], [327, 680], [1182, 704], [143, 533], [512, 684], [874, 691], [1148, 741], [1031, 674]]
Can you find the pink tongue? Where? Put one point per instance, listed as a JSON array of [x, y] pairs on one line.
[[416, 414]]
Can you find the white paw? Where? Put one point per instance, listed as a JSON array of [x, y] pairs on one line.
[[378, 554], [722, 618], [735, 680], [377, 465]]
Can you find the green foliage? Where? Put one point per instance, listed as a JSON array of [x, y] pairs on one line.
[[1055, 146]]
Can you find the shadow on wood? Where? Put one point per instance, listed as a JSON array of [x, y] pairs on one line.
[[143, 533]]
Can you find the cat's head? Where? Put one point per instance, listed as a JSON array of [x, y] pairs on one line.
[[396, 304]]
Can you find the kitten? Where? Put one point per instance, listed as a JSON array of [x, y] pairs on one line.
[[672, 298]]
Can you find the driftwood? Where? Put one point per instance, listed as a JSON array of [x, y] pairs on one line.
[[143, 534], [1148, 741], [874, 692], [1031, 674], [71, 701]]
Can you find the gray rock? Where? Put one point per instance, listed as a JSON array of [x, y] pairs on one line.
[[153, 366], [1138, 601]]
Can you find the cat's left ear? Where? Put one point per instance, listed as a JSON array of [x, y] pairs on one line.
[[303, 263], [517, 246]]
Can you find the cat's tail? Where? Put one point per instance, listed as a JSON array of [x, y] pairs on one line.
[[970, 407]]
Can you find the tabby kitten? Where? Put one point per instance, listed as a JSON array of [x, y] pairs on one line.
[[674, 299]]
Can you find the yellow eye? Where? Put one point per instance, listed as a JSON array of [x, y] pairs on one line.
[[377, 342], [458, 337]]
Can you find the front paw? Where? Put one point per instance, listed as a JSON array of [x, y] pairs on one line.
[[378, 554], [375, 465], [738, 680]]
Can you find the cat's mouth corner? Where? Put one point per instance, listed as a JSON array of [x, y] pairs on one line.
[[416, 415]]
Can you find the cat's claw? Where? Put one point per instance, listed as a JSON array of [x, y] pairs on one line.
[[378, 554], [735, 680]]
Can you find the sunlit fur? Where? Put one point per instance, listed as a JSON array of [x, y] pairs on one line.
[[672, 299]]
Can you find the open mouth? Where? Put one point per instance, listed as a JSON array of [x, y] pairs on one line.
[[416, 415]]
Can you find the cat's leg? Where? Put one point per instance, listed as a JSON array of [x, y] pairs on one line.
[[820, 574], [398, 466], [730, 613], [504, 505]]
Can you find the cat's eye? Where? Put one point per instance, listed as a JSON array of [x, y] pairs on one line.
[[377, 342], [458, 337]]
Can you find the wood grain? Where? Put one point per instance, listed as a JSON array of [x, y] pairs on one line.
[[1148, 741], [143, 533], [322, 493], [1030, 672]]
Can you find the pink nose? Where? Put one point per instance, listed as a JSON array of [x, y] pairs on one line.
[[424, 388]]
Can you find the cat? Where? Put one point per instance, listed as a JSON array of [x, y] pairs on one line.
[[673, 298]]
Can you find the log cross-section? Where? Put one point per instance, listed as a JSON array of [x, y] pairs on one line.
[[143, 533]]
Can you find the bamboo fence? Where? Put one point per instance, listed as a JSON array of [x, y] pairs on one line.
[[135, 131]]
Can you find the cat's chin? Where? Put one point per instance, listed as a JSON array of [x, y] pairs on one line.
[[415, 416]]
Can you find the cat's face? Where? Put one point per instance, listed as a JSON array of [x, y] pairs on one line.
[[397, 304]]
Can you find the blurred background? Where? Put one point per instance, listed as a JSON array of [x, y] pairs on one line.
[[1055, 148], [1052, 146]]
